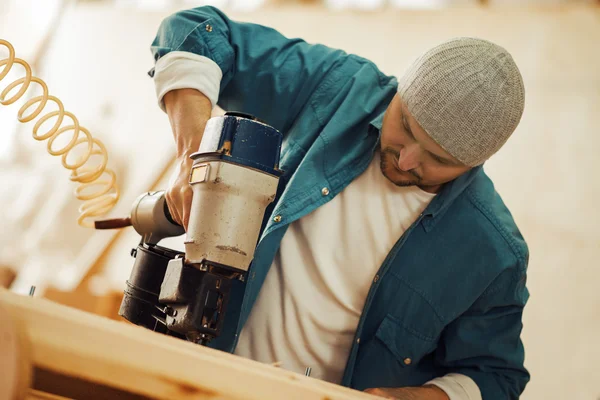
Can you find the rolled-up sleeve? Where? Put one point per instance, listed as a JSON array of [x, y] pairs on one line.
[[457, 387], [183, 70], [484, 343]]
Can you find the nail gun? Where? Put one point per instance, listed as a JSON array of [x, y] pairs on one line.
[[234, 177]]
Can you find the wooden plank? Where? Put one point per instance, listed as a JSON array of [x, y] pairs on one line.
[[117, 356], [15, 364]]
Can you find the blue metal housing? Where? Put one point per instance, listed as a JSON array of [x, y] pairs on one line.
[[251, 143]]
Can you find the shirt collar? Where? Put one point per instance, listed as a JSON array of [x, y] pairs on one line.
[[377, 123]]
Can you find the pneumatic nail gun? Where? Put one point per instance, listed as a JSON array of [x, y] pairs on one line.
[[234, 178]]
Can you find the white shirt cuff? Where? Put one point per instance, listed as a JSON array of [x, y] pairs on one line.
[[183, 70], [457, 387]]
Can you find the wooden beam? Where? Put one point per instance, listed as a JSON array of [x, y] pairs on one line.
[[15, 362], [77, 354]]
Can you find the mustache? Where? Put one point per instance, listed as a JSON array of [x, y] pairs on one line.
[[396, 155]]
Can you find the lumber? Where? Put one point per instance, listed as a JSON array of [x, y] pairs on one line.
[[75, 354]]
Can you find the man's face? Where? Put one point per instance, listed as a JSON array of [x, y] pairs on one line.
[[409, 156]]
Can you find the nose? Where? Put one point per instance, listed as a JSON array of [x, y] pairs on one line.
[[409, 157]]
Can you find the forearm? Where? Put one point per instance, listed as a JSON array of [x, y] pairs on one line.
[[188, 112], [426, 392]]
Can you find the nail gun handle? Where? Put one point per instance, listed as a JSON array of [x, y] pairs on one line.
[[113, 223], [151, 218]]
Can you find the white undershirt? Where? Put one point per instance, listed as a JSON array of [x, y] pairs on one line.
[[308, 309]]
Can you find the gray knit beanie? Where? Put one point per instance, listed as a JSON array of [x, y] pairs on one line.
[[468, 95]]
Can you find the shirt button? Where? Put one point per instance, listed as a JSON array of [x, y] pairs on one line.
[[324, 191], [208, 28], [277, 218], [407, 361], [358, 341], [376, 278]]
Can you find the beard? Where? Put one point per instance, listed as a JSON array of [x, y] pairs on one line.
[[388, 164]]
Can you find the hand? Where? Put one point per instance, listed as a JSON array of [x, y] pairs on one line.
[[188, 111], [179, 192], [427, 392], [386, 393]]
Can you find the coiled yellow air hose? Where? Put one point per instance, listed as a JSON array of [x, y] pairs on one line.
[[97, 202]]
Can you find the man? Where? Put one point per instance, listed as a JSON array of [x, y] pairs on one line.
[[388, 262]]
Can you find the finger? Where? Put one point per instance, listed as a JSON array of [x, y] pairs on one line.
[[174, 215], [186, 221], [172, 210], [378, 392], [187, 207]]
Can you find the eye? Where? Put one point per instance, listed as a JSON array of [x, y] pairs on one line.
[[439, 160], [406, 127]]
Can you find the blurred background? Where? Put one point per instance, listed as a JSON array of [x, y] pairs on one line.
[[94, 55]]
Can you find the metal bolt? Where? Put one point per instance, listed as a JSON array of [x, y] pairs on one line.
[[325, 191], [277, 218], [208, 28]]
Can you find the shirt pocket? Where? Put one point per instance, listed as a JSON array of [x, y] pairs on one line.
[[406, 345]]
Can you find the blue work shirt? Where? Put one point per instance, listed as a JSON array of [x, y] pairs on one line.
[[450, 294]]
